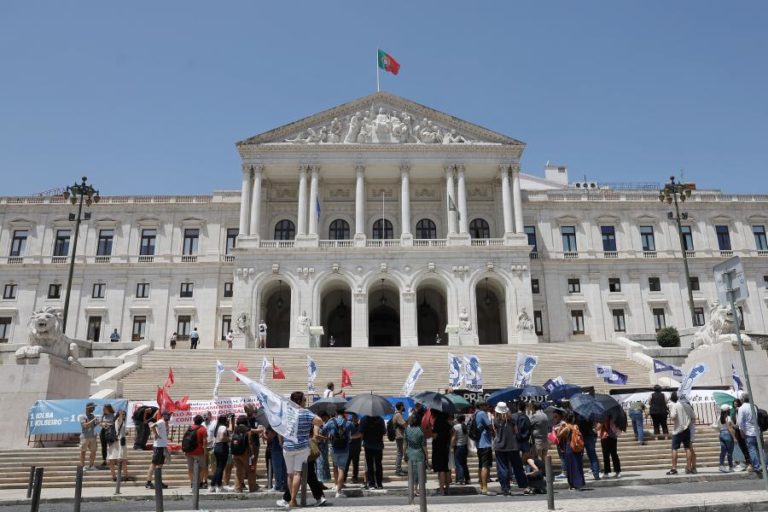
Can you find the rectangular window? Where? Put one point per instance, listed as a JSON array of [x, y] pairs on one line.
[[61, 245], [619, 324], [186, 290], [142, 290], [569, 238], [654, 284], [227, 290], [191, 239], [98, 290], [535, 286], [54, 291], [9, 291], [614, 284], [695, 286], [698, 317], [741, 318], [104, 247], [687, 238], [647, 238], [5, 329], [574, 286], [94, 328], [538, 323], [723, 237], [765, 281], [761, 244], [659, 320], [609, 238], [577, 321], [183, 327], [530, 232], [139, 328], [19, 242], [226, 326], [231, 240], [148, 239]]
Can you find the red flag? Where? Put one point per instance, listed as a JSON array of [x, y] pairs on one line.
[[164, 402], [170, 380], [241, 368], [183, 404], [346, 378], [277, 372]]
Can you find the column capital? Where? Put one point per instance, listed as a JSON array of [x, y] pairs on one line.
[[460, 168], [449, 169], [303, 168], [515, 168], [257, 168], [405, 167], [360, 168], [314, 168]]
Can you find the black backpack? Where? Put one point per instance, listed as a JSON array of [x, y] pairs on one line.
[[473, 430], [762, 420], [189, 441], [391, 429], [339, 440], [239, 442]]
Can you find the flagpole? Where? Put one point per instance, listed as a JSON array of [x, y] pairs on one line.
[[377, 70], [382, 215]]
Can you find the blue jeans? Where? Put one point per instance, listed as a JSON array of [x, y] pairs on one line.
[[460, 461], [637, 425], [278, 465], [221, 452], [323, 469], [726, 448], [589, 447], [754, 452]]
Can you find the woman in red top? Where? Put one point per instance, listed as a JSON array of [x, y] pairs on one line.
[[199, 453]]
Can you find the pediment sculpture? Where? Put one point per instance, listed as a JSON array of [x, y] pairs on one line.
[[721, 327], [46, 337]]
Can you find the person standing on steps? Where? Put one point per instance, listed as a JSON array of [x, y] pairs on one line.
[[400, 425], [159, 429], [194, 338], [329, 391], [657, 408], [484, 446], [174, 337], [115, 336], [262, 335], [681, 433], [230, 337], [88, 423], [637, 415]]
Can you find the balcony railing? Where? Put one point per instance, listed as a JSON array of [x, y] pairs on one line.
[[276, 244], [334, 244], [649, 254], [102, 259], [726, 254], [15, 260], [419, 242], [189, 258], [487, 242], [610, 254], [762, 253], [147, 258], [534, 255], [571, 255], [58, 260], [228, 258], [690, 254]]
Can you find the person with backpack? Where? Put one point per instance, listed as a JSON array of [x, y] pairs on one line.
[[461, 450], [681, 433], [240, 448], [398, 424], [194, 444], [221, 452], [587, 429], [507, 450], [523, 424], [750, 429], [571, 445], [480, 430], [338, 431], [373, 429]]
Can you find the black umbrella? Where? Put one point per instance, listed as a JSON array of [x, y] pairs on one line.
[[564, 392], [330, 405], [613, 409], [588, 408], [533, 392], [435, 401], [370, 405]]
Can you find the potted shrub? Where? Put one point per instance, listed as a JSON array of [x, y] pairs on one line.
[[668, 337]]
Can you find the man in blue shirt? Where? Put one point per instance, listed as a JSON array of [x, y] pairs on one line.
[[484, 445], [338, 430]]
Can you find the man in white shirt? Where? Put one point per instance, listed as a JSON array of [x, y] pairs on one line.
[[159, 430], [681, 433], [329, 393], [262, 334], [747, 423]]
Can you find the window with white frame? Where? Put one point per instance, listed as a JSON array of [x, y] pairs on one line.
[[5, 328], [19, 243], [139, 328], [191, 242], [659, 318], [577, 321], [54, 291], [9, 291], [619, 323], [142, 290], [186, 290], [227, 290], [104, 246], [574, 285], [61, 243], [538, 323], [568, 234], [98, 291]]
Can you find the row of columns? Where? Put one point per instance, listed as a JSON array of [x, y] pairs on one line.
[[511, 198]]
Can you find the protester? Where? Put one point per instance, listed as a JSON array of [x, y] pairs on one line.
[[322, 463], [399, 422], [262, 328], [536, 474], [338, 431], [107, 423], [461, 450], [587, 429], [221, 438], [210, 426], [523, 424], [484, 446], [681, 432], [507, 450], [637, 415], [609, 443], [329, 393], [442, 437], [689, 410], [174, 338], [750, 430], [725, 428], [414, 443], [277, 460], [196, 435], [355, 445], [254, 436], [194, 338], [159, 429], [141, 419], [240, 448], [88, 423], [558, 419], [540, 429], [373, 429], [745, 463], [315, 486], [574, 468], [659, 412], [116, 453], [297, 452]]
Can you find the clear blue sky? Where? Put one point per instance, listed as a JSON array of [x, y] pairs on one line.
[[150, 97]]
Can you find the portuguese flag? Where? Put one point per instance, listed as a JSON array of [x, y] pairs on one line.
[[388, 63]]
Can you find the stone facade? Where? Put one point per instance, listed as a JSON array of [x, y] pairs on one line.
[[407, 236]]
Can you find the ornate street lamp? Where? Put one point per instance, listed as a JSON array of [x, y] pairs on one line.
[[675, 193], [77, 194]]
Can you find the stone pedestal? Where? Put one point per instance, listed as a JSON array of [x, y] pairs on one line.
[[24, 382], [718, 359], [525, 338]]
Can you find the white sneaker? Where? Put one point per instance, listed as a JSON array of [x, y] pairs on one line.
[[340, 495], [723, 469], [212, 490], [227, 488], [617, 475], [322, 501], [283, 504], [605, 475]]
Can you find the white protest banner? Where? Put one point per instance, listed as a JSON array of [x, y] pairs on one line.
[[524, 369], [603, 371], [694, 373], [473, 373], [283, 415], [218, 407], [454, 371], [311, 374], [219, 371], [264, 367], [410, 382]]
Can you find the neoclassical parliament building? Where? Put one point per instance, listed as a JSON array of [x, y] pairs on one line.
[[385, 223]]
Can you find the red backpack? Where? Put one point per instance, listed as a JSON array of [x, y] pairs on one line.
[[427, 422]]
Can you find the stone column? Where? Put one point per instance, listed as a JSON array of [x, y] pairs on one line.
[[463, 220], [302, 213], [255, 227], [360, 201], [315, 169], [405, 200], [450, 197], [517, 199], [505, 199], [245, 202]]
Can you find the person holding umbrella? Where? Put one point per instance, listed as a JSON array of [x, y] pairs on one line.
[[442, 436], [609, 443], [373, 429]]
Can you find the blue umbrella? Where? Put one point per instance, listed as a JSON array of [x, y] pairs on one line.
[[565, 392], [533, 391], [509, 394], [588, 408]]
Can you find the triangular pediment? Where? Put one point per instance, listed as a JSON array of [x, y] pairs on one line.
[[381, 118]]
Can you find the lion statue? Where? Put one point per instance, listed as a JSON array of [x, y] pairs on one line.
[[722, 327], [46, 337]]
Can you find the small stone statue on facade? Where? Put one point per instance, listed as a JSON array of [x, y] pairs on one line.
[[465, 324], [524, 321], [242, 323], [262, 334], [302, 324]]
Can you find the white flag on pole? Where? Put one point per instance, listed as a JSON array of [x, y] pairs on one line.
[[410, 382], [454, 371], [526, 363], [264, 367], [473, 373], [694, 373], [283, 415], [311, 374], [219, 371], [603, 371]]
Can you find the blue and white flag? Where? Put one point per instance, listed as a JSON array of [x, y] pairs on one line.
[[264, 368], [219, 371], [524, 369], [661, 366], [603, 371], [473, 374], [282, 414], [694, 373], [551, 384], [616, 377], [454, 371], [410, 382], [311, 374], [317, 207], [737, 384]]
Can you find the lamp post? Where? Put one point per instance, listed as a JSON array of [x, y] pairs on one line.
[[77, 194], [675, 193]]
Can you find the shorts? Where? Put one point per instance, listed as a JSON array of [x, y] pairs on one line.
[[191, 462], [485, 457], [683, 438], [89, 443], [115, 451], [294, 459], [158, 456], [541, 444], [340, 458]]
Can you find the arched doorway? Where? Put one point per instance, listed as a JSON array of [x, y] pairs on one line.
[[431, 313], [276, 313], [336, 314], [383, 315], [491, 320]]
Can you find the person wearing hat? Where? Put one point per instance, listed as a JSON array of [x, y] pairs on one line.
[[507, 450], [484, 444], [88, 423], [727, 436], [159, 429]]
